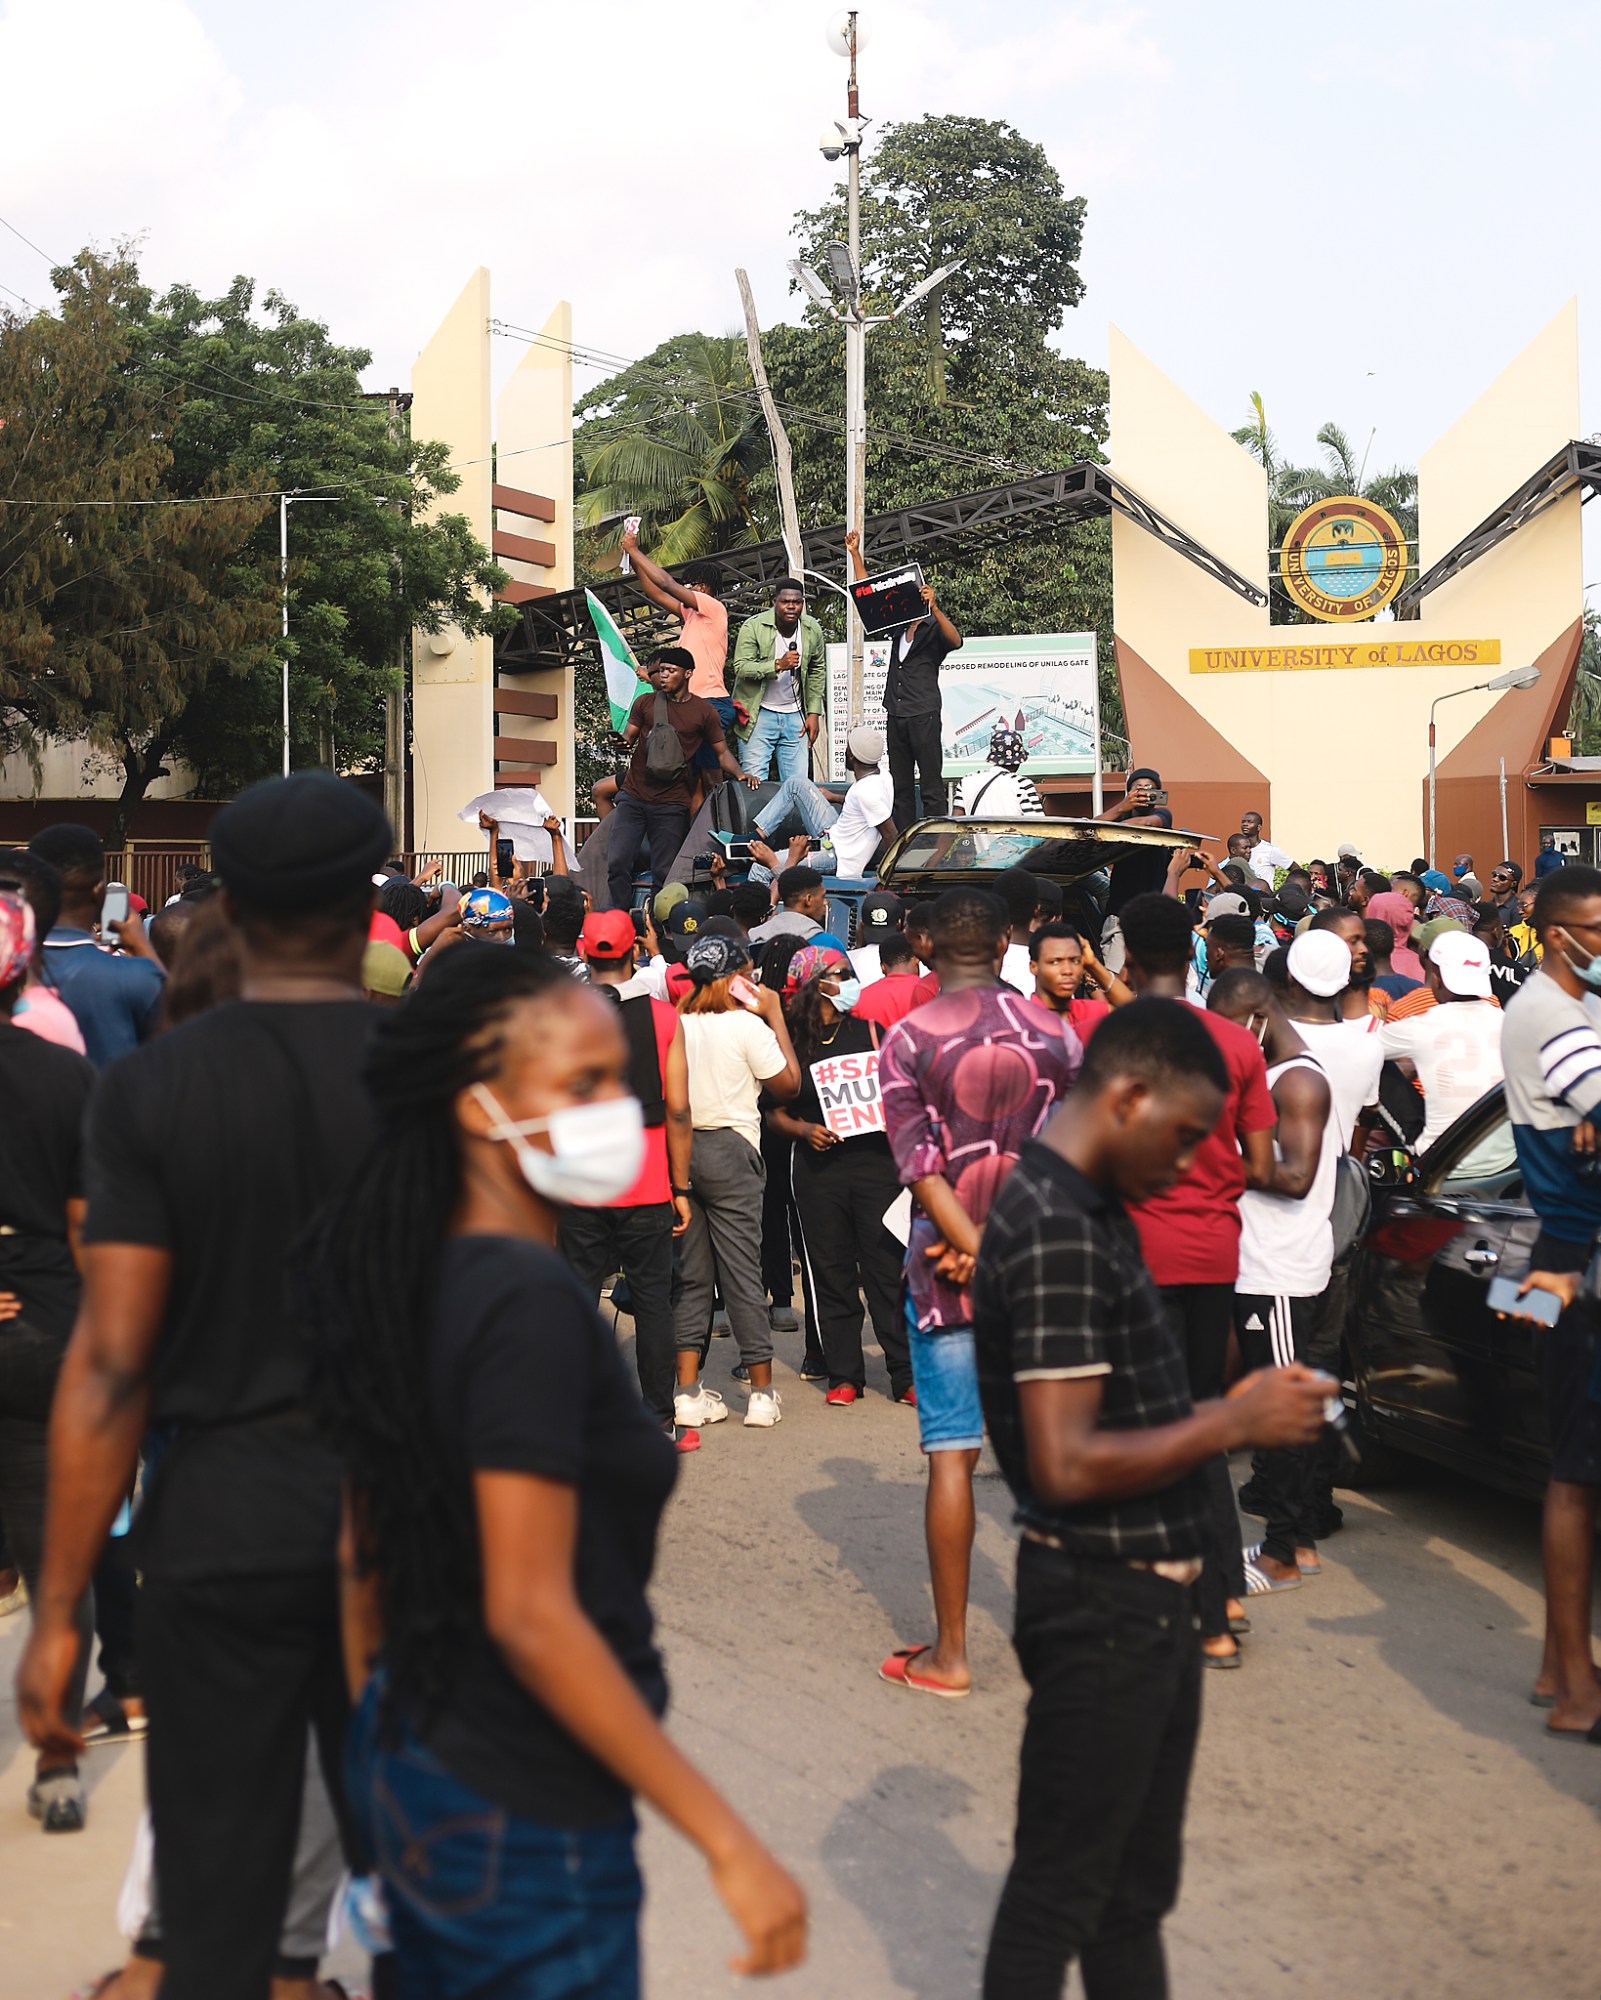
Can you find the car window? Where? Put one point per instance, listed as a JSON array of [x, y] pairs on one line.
[[1485, 1162]]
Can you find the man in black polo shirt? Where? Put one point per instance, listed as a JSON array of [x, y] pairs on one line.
[[1084, 1391]]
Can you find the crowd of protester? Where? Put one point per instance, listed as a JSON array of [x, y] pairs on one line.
[[308, 1200]]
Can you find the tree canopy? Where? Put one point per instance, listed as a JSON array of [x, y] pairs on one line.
[[153, 632]]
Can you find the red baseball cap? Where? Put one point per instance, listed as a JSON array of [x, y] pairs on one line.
[[607, 934]]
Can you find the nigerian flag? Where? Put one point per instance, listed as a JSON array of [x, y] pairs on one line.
[[624, 681]]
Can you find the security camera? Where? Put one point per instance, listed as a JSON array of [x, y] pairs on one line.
[[832, 142]]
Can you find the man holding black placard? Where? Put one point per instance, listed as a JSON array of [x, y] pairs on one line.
[[912, 703]]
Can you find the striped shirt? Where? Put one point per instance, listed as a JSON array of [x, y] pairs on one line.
[[1551, 1053]]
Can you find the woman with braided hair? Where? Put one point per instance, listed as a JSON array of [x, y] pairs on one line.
[[503, 1492]]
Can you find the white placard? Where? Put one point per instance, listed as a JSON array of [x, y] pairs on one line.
[[847, 1091]]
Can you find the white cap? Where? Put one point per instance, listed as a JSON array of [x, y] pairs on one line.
[[866, 746], [1463, 963], [1321, 962], [1346, 852], [1227, 903]]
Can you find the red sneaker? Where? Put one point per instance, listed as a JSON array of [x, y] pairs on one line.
[[687, 1440], [842, 1395], [908, 1395]]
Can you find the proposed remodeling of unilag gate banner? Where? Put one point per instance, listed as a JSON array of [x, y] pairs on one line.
[[847, 1090]]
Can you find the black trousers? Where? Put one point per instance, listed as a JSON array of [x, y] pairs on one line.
[[236, 1670], [915, 762], [1201, 1316], [639, 1243], [1274, 1331], [841, 1197], [666, 828], [777, 1202], [30, 1361], [1114, 1675]]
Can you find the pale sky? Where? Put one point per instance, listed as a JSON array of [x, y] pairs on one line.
[[1364, 213]]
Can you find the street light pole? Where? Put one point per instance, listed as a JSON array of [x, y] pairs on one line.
[[1514, 677], [855, 371], [283, 570]]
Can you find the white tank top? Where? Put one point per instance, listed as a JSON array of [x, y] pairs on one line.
[[1287, 1247]]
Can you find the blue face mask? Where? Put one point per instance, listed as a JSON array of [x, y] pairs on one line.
[[1460, 872], [850, 991], [1589, 972]]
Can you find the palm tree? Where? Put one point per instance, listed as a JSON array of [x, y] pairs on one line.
[[1294, 487], [680, 442]]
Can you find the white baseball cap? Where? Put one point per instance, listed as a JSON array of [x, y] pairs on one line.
[[1321, 962], [1463, 963], [1346, 852]]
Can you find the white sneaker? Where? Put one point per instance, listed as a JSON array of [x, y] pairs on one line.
[[764, 1410], [694, 1409]]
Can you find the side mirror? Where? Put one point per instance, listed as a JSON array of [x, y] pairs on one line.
[[1392, 1168]]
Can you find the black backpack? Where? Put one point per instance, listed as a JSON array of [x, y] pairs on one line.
[[664, 753]]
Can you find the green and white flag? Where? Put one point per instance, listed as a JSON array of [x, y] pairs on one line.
[[624, 681]]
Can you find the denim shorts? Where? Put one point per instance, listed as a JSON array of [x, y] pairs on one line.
[[945, 1375]]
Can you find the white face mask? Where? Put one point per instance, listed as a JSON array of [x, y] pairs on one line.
[[597, 1150]]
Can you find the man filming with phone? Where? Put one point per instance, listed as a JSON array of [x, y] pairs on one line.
[[1551, 1053], [115, 997]]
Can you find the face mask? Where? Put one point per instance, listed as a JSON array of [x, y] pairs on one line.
[[850, 991], [1589, 972], [597, 1150]]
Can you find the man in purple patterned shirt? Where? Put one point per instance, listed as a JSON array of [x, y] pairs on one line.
[[965, 1080]]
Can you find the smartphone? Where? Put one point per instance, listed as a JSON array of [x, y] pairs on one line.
[[1544, 1308], [505, 859], [114, 910], [736, 850], [746, 995]]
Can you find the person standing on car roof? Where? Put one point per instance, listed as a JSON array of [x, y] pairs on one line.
[[780, 680], [654, 799], [1551, 1051], [912, 709], [1144, 872]]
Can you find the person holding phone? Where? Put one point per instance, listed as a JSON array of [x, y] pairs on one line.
[[116, 998], [737, 1044], [1144, 872]]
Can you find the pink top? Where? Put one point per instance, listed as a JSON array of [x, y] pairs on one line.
[[48, 1016], [705, 634]]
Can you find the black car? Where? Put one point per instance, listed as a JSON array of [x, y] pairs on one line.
[[1434, 1371]]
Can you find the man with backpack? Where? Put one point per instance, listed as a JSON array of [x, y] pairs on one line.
[[635, 1235], [664, 731]]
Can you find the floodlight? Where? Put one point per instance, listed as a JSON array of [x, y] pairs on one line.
[[1514, 677], [838, 33], [922, 290], [841, 269], [812, 286]]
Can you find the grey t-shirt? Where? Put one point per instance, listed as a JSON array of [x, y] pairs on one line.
[[783, 691]]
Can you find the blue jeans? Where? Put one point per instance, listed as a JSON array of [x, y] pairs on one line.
[[801, 797], [706, 756], [485, 1905], [779, 730]]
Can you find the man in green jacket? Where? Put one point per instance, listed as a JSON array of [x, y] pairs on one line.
[[780, 678]]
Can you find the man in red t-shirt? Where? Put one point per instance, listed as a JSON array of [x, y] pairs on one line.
[[635, 1235], [1059, 956], [892, 996], [1191, 1237]]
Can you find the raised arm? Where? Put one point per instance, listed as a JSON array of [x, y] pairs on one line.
[[657, 585], [853, 548], [948, 631]]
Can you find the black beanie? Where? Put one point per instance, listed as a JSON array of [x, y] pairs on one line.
[[303, 842]]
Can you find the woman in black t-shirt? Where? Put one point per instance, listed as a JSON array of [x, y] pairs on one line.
[[44, 1090], [504, 1488], [843, 1184]]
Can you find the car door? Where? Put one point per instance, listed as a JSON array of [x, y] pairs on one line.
[[1435, 1364]]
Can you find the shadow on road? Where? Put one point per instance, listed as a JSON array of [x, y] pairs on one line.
[[889, 1853]]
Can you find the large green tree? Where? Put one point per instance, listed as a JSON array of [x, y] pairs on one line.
[[227, 397]]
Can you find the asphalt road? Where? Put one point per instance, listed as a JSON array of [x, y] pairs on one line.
[[1376, 1810]]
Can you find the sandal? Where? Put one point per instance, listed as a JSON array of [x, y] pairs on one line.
[[897, 1669], [113, 1723]]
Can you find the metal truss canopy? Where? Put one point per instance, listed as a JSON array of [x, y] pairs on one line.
[[1576, 467], [555, 630]]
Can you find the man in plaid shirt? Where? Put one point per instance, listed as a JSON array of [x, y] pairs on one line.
[[1085, 1393]]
